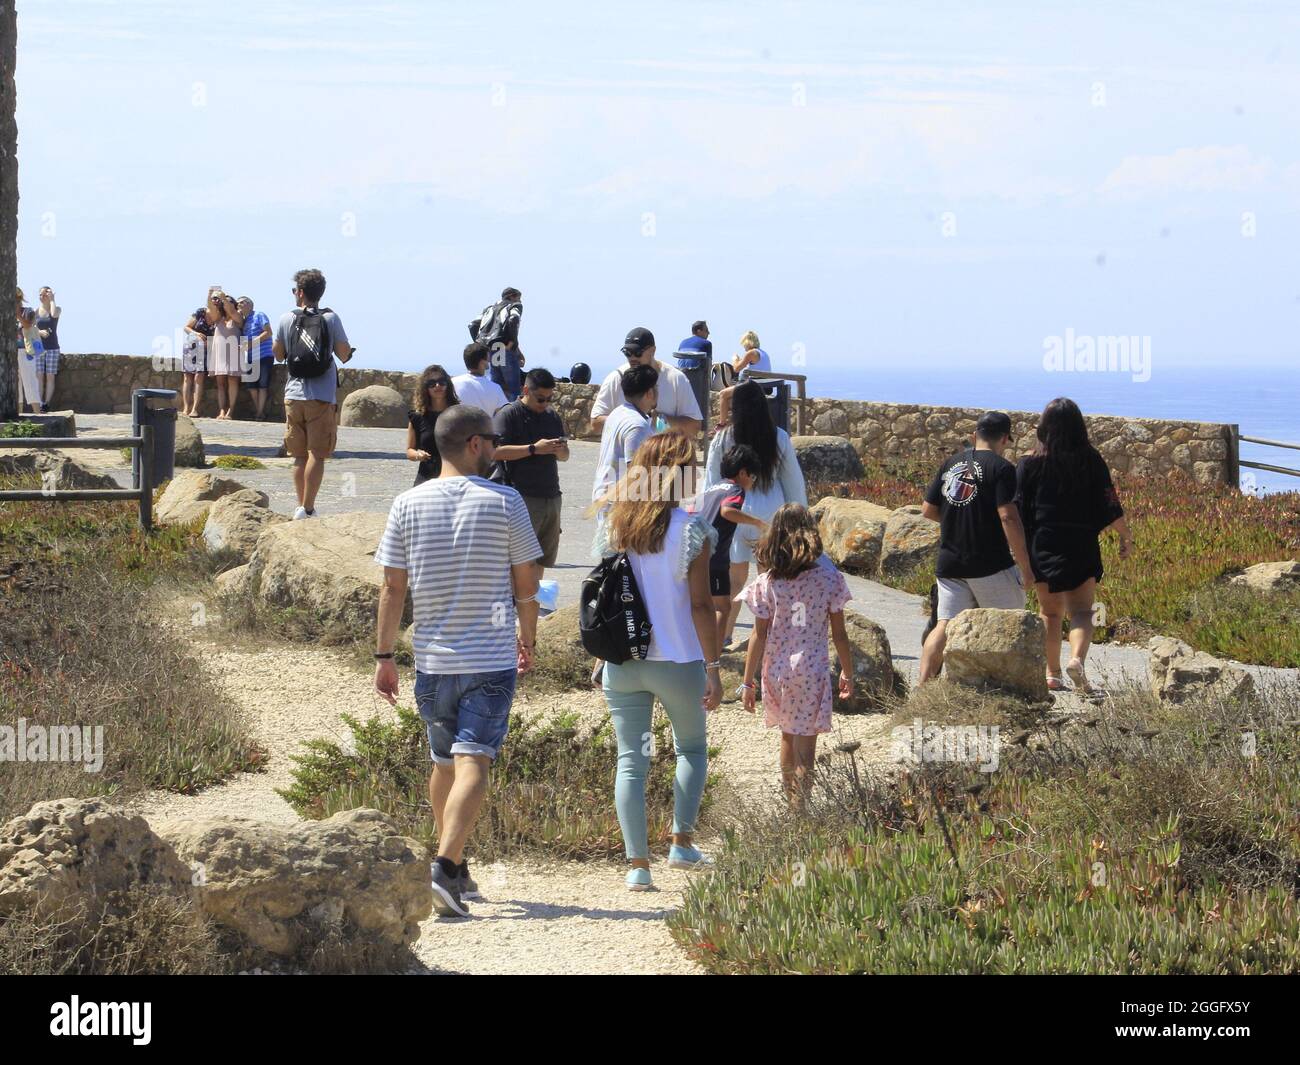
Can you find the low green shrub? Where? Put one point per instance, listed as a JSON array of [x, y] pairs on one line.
[[238, 462], [21, 430], [552, 785], [1135, 840]]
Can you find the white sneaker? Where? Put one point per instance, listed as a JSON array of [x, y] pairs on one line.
[[299, 514]]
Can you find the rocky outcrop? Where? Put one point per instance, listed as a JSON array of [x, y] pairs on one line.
[[374, 407], [189, 444], [1179, 673], [910, 541], [875, 680], [281, 888], [852, 532], [1270, 577], [998, 649], [234, 582], [190, 495], [324, 567], [55, 469], [827, 458], [64, 853], [235, 522]]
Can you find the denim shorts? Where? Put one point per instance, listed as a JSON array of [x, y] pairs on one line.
[[465, 713]]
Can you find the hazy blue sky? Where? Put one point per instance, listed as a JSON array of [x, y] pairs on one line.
[[874, 186]]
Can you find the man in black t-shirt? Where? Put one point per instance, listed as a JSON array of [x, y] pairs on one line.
[[972, 497], [532, 443]]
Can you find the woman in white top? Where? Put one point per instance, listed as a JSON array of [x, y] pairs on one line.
[[224, 362], [751, 357], [669, 552], [778, 480]]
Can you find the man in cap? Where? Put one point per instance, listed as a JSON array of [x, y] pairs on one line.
[[676, 403], [972, 497]]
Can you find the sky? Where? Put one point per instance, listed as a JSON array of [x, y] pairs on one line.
[[870, 186]]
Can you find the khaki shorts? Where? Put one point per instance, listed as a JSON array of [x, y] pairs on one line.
[[545, 516], [310, 425], [998, 591]]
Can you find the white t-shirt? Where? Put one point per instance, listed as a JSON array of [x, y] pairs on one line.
[[676, 398], [481, 392], [664, 585], [624, 431]]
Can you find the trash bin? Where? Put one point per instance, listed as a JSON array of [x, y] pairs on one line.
[[778, 401], [697, 373], [163, 420]]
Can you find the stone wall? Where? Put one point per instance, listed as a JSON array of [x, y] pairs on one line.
[[890, 433]]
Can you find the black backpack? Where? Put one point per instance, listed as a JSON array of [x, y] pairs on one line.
[[611, 614], [308, 351]]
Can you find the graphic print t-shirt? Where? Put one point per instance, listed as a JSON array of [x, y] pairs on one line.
[[968, 490]]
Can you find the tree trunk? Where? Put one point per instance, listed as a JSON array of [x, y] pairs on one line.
[[8, 210]]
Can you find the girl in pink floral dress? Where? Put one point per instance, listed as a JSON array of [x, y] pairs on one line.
[[798, 596]]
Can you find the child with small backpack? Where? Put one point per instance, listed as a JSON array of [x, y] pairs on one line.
[[799, 596]]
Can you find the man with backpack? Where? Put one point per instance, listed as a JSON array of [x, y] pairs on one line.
[[308, 339], [983, 560], [497, 326]]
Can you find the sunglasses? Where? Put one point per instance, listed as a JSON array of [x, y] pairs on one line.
[[541, 399], [438, 382], [494, 437]]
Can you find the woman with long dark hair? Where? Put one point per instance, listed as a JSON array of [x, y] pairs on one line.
[[778, 479], [1067, 500], [434, 394]]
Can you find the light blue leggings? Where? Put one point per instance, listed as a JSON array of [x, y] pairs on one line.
[[630, 690]]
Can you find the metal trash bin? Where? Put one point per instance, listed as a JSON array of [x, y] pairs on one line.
[[778, 401], [163, 420], [697, 373]]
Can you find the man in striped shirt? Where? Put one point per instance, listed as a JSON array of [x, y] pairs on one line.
[[466, 548]]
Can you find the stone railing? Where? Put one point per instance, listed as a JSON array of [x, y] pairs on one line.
[[889, 433]]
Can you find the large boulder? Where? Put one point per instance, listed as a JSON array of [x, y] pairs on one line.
[[189, 444], [1179, 673], [234, 582], [910, 541], [374, 407], [1270, 577], [324, 567], [236, 521], [852, 532], [190, 494], [999, 649], [63, 854], [875, 680], [827, 458], [56, 469], [282, 888]]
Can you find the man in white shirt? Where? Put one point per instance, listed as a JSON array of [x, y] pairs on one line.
[[475, 387], [676, 404], [626, 428]]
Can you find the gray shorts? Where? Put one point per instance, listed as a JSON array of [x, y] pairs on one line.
[[545, 515], [998, 591]]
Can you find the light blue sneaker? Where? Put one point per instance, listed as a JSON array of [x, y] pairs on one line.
[[687, 858], [638, 879]]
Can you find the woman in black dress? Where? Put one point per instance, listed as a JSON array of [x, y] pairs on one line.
[[434, 395], [1067, 500]]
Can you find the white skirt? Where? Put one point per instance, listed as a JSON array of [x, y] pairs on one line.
[[31, 386]]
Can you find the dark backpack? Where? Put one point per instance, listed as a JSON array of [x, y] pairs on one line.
[[308, 351], [611, 614]]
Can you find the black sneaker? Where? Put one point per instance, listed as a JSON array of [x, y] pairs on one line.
[[446, 894], [468, 889]]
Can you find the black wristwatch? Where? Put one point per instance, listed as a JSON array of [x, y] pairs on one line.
[[382, 657], [532, 449]]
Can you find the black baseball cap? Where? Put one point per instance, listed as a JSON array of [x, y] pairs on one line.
[[993, 425], [638, 340]]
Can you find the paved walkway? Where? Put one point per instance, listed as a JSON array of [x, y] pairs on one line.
[[370, 468]]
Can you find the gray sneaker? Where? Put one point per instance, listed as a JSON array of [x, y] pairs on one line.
[[446, 894], [468, 889]]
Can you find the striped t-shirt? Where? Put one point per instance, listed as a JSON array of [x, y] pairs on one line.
[[457, 538]]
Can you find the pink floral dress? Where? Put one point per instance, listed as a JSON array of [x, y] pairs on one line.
[[796, 663]]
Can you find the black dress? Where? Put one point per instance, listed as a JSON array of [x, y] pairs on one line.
[[423, 425], [1063, 519]]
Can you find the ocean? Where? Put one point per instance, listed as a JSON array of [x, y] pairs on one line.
[[1262, 402]]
